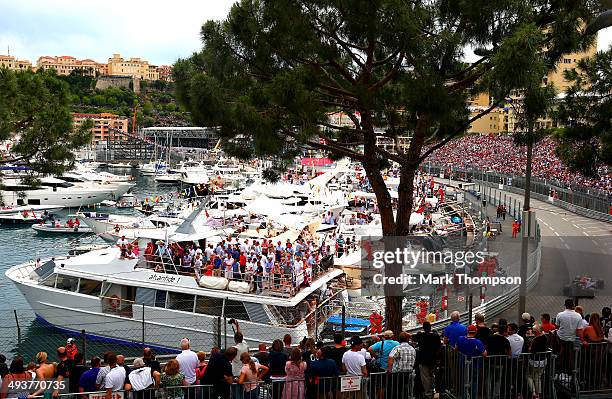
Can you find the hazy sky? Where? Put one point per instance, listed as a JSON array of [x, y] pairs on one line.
[[158, 31]]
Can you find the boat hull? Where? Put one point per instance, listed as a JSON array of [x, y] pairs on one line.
[[163, 327], [48, 230]]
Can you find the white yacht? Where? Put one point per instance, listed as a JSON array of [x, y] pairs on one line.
[[126, 299], [153, 168], [56, 192]]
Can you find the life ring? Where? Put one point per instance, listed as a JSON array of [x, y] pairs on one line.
[[376, 320], [114, 301]]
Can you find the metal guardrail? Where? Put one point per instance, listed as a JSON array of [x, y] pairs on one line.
[[588, 202], [589, 213]]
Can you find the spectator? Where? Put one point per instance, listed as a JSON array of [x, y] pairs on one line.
[[199, 372], [380, 350], [526, 325], [498, 343], [115, 379], [45, 369], [400, 364], [262, 355], [87, 382], [606, 319], [469, 345], [537, 362], [353, 363], [287, 345], [241, 347], [429, 349], [188, 361], [4, 370], [320, 373], [250, 375], [148, 356], [172, 379], [78, 368], [64, 367], [569, 327], [454, 330], [338, 350], [546, 326], [219, 373], [483, 331], [593, 333], [142, 380], [583, 323], [278, 360], [516, 341], [16, 372], [295, 369], [103, 371]]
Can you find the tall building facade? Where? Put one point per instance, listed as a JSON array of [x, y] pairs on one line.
[[65, 64], [133, 67], [10, 62], [107, 127]]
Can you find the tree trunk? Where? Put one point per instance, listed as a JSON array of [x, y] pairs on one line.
[[393, 227]]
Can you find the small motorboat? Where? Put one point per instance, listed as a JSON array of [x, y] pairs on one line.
[[25, 217], [50, 229]]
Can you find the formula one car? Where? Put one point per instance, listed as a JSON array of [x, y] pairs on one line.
[[583, 287]]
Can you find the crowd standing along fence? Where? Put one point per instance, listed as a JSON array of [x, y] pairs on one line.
[[589, 202]]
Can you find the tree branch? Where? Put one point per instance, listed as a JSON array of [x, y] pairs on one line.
[[389, 74]]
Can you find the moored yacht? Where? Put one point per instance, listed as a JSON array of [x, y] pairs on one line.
[[113, 297], [56, 192]]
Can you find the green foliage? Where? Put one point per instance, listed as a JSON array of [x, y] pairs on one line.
[[273, 70], [585, 142], [35, 114]]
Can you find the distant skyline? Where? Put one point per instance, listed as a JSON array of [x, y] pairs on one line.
[[157, 31]]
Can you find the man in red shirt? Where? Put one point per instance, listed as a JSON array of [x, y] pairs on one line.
[[547, 326]]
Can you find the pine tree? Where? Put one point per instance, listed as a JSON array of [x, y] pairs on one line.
[[272, 71]]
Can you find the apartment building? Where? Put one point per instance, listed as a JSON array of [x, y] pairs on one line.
[[10, 62], [133, 67], [107, 127]]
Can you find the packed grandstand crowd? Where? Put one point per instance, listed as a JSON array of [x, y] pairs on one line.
[[500, 154], [396, 366]]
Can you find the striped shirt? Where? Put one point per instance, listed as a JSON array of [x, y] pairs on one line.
[[403, 356]]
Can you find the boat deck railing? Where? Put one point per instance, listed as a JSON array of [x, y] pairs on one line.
[[274, 284]]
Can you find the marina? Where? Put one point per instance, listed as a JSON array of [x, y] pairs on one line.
[[322, 214]]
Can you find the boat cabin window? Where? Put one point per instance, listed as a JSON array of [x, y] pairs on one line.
[[49, 281], [235, 310], [55, 185], [209, 306], [160, 298], [150, 297], [90, 287], [67, 283], [33, 201], [177, 301]]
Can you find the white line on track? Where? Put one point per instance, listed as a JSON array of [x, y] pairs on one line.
[[585, 233], [567, 246], [557, 234]]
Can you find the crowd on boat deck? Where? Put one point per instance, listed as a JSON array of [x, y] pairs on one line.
[[262, 263], [500, 154], [517, 351]]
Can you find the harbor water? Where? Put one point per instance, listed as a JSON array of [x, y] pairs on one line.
[[20, 330]]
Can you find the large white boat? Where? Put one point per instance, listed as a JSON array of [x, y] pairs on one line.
[[125, 299], [56, 192]]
